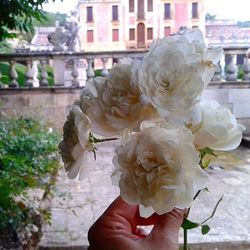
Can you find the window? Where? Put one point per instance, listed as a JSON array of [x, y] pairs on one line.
[[167, 11], [131, 34], [115, 35], [140, 13], [149, 33], [114, 13], [194, 10], [167, 31], [131, 5], [150, 5], [89, 14], [90, 36]]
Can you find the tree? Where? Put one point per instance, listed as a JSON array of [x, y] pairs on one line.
[[210, 17], [50, 19], [18, 15]]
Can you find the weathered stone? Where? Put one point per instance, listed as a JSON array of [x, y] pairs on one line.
[[88, 199]]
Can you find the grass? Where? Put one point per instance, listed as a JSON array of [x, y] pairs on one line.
[[21, 71]]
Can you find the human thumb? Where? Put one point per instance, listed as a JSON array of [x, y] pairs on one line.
[[165, 233]]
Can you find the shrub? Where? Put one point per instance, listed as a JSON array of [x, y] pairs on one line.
[[241, 72], [98, 72], [27, 159]]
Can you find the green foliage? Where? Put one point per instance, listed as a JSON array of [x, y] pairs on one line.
[[205, 229], [241, 72], [27, 158], [19, 15], [50, 19], [98, 72], [204, 152], [5, 71], [243, 24], [188, 224], [5, 47], [21, 71], [210, 17]]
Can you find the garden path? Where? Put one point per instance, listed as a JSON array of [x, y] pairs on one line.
[[76, 205]]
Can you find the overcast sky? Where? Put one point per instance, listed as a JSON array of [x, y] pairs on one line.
[[224, 9]]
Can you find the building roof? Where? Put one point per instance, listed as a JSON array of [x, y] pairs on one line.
[[40, 40], [226, 32]]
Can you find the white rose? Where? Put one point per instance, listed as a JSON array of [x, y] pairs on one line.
[[116, 103], [218, 128], [75, 144], [159, 169], [175, 72]]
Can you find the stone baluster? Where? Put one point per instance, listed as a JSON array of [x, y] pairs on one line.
[[90, 71], [44, 74], [231, 69], [217, 73], [246, 69], [35, 73], [75, 74], [29, 75], [104, 70], [13, 75]]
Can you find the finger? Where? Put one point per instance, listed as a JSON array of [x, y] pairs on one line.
[[147, 221], [130, 213], [118, 215], [166, 230], [121, 210]]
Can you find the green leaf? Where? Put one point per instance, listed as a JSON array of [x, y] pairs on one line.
[[188, 224], [207, 150], [205, 229], [203, 153]]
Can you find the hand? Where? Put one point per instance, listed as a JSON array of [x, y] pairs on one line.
[[116, 229]]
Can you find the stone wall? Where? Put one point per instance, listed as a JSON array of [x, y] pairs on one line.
[[51, 103], [236, 98], [41, 103]]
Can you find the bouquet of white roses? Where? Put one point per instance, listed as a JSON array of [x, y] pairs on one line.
[[166, 128]]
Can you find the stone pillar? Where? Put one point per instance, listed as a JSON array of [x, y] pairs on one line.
[[44, 74], [90, 71], [35, 73], [75, 70], [231, 69], [75, 82], [246, 69], [59, 68], [104, 70], [29, 75], [13, 75]]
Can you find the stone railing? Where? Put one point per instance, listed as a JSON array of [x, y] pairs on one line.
[[234, 65], [39, 100], [74, 69], [69, 69]]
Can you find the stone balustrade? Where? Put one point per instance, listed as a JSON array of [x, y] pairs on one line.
[[69, 69], [74, 69], [37, 99]]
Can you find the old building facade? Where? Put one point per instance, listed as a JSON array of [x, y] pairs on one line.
[[111, 25]]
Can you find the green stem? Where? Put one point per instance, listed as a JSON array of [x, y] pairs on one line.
[[185, 244], [103, 140]]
